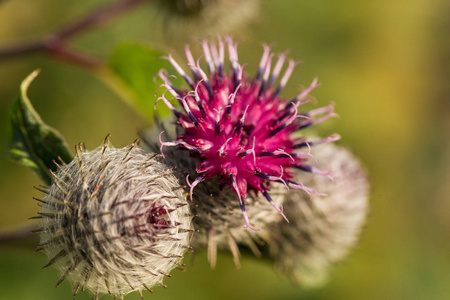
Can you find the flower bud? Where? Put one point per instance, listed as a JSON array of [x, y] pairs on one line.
[[114, 221], [184, 18], [322, 229]]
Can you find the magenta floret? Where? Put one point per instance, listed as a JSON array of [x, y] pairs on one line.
[[238, 127]]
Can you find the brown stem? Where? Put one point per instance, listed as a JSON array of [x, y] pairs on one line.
[[65, 53], [55, 44], [21, 233], [97, 17], [23, 48]]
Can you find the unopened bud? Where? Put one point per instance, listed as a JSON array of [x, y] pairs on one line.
[[114, 221], [202, 17], [322, 229]]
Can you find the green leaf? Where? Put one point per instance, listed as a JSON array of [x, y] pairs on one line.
[[136, 66], [33, 143]]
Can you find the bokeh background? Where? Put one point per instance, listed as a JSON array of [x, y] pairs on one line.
[[386, 66]]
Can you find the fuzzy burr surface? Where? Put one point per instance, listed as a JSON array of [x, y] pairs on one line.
[[114, 221]]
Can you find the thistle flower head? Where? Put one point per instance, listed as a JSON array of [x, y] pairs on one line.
[[237, 126], [114, 221]]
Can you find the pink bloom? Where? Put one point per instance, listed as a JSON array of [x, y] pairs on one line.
[[239, 127]]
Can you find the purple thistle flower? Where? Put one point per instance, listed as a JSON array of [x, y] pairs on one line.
[[239, 127]]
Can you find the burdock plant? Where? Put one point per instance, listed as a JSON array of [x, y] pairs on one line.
[[235, 154]]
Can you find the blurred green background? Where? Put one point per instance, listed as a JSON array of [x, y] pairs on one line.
[[386, 65]]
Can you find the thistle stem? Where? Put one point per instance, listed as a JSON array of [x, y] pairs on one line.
[[19, 233], [55, 44]]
